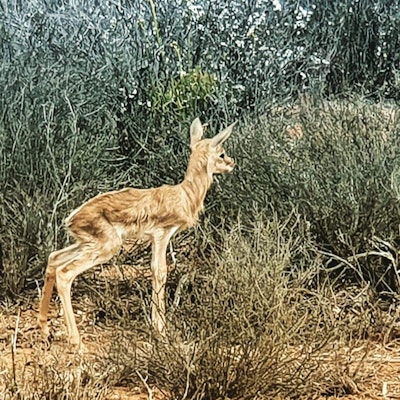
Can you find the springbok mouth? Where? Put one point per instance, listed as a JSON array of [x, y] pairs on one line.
[[230, 168]]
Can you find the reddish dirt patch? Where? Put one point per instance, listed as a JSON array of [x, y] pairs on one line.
[[27, 358], [24, 361]]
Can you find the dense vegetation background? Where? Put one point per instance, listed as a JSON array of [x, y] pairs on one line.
[[98, 95]]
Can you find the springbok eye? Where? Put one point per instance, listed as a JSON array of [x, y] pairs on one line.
[[222, 155]]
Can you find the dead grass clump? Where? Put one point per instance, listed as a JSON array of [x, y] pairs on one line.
[[252, 322], [35, 372], [51, 382]]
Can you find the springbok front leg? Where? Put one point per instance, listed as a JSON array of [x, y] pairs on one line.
[[159, 271]]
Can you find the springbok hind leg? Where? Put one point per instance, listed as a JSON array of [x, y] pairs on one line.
[[56, 260], [65, 275]]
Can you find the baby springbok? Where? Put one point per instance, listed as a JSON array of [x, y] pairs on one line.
[[101, 226]]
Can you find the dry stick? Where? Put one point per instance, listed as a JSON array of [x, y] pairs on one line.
[[342, 260], [145, 384], [187, 384], [182, 283], [173, 254], [14, 349]]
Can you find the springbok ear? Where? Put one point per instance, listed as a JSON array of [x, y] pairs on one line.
[[196, 132], [222, 136]]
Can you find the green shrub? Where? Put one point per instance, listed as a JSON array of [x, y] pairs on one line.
[[181, 95], [341, 175], [101, 98]]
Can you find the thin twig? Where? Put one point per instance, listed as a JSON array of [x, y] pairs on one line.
[[14, 349], [187, 383], [145, 384], [342, 261]]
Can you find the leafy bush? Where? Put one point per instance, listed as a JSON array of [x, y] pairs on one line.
[[182, 93]]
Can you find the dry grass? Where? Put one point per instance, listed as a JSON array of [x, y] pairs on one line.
[[35, 370], [253, 320]]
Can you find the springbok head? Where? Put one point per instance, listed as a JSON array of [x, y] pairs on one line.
[[218, 161]]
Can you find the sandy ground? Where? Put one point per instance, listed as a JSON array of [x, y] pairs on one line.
[[23, 360]]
